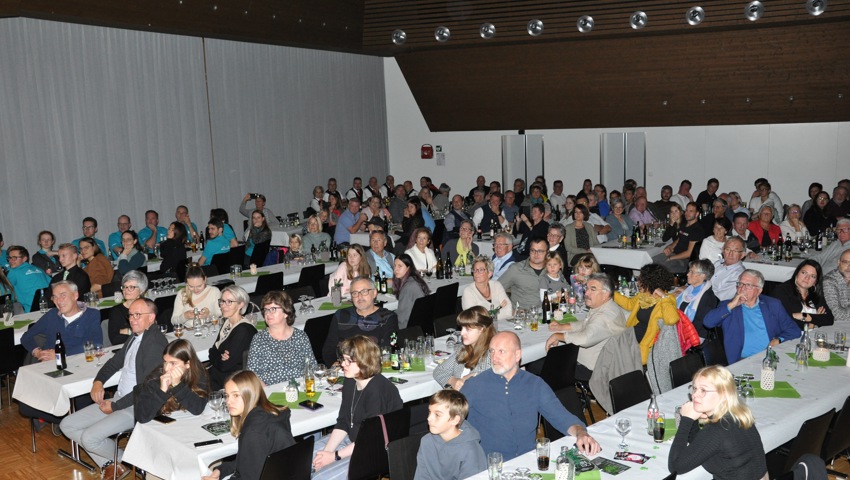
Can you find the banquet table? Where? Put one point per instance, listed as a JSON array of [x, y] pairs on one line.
[[777, 419], [609, 253], [280, 235], [774, 271]]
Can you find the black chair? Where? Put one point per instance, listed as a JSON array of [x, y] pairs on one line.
[[369, 459], [809, 439], [569, 399], [559, 367], [442, 324], [8, 362], [838, 439], [628, 390], [682, 370], [317, 331], [261, 251], [445, 300], [422, 314], [221, 262], [409, 333], [313, 276], [210, 270], [36, 299], [165, 309], [402, 457], [266, 284], [297, 292], [713, 350], [236, 255], [291, 463]]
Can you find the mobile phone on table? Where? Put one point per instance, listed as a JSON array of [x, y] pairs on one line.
[[163, 419], [399, 381], [311, 405]]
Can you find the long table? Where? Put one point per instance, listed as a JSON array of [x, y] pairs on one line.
[[777, 419]]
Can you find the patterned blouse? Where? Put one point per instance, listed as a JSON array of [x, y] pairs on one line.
[[276, 361]]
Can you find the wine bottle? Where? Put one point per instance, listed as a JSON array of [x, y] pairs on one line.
[[439, 266], [547, 308], [59, 349]]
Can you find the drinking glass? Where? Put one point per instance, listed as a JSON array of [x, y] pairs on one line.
[[178, 330], [450, 342], [494, 464], [216, 402], [320, 371], [332, 376], [801, 355], [543, 454], [820, 339], [840, 340], [748, 393], [98, 352], [428, 274], [88, 348], [624, 426], [658, 428]]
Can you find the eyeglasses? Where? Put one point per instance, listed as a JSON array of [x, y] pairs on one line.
[[698, 391], [479, 270], [538, 252], [89, 227], [843, 230], [269, 310], [138, 315], [746, 286], [129, 288], [222, 301], [346, 361], [362, 293], [15, 257]]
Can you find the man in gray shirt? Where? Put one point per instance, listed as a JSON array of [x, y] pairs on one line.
[[522, 278]]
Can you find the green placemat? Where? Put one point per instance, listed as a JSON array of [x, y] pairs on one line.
[[595, 474], [249, 274], [107, 303], [17, 324], [330, 306], [568, 318], [261, 325], [413, 368], [780, 390], [279, 398], [669, 428], [834, 361]]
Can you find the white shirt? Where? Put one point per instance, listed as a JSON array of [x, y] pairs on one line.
[[723, 283], [682, 200]]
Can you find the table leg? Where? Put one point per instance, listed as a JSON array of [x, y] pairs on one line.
[[74, 455]]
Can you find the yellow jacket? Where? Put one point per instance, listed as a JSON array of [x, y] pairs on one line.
[[665, 308]]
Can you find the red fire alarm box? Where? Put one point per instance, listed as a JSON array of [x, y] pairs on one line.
[[427, 151]]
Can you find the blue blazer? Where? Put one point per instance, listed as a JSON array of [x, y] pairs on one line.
[[779, 324]]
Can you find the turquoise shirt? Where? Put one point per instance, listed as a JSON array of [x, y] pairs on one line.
[[214, 246], [114, 240], [755, 331], [26, 279], [146, 233]]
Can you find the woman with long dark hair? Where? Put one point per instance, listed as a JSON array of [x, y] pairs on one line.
[[407, 286], [173, 250], [816, 218], [132, 255], [649, 305], [412, 222], [476, 331], [181, 384], [258, 232], [802, 296]]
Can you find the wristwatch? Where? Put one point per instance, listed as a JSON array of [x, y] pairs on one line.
[[336, 455]]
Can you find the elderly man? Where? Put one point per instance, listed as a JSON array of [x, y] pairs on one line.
[[76, 323], [92, 426], [522, 278], [604, 320], [836, 288], [479, 199], [388, 188], [455, 217], [259, 204], [489, 215], [555, 239], [24, 277], [378, 258], [68, 255], [398, 203], [372, 189], [356, 190], [510, 209], [663, 206], [839, 206], [760, 321], [718, 210], [114, 240], [709, 195], [641, 214], [351, 220], [480, 183], [505, 401], [503, 254], [676, 255], [364, 318], [181, 214], [440, 200], [409, 191], [728, 269], [828, 258], [89, 231], [152, 235]]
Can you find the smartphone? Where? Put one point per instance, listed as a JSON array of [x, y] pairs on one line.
[[399, 381], [163, 419], [254, 196], [311, 405]]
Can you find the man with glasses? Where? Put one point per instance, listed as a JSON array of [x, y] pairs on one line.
[[751, 321], [836, 288], [68, 255], [505, 401], [114, 240], [364, 318], [522, 278], [728, 269], [92, 426], [25, 278], [503, 253], [828, 258], [76, 323], [555, 239], [89, 231], [378, 257]]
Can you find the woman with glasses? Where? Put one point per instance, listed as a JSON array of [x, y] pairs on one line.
[[458, 249], [408, 286], [180, 384], [486, 292], [277, 353], [365, 393], [197, 301], [793, 224], [698, 298], [717, 431], [476, 330], [132, 256], [621, 224], [817, 219], [95, 264], [234, 339], [134, 284], [173, 249], [802, 296], [355, 265]]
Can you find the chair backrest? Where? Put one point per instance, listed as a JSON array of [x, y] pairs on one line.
[[268, 283], [446, 300], [317, 331], [222, 263], [569, 399], [104, 328], [682, 370], [409, 333], [261, 251], [296, 292], [209, 270], [809, 439], [165, 308], [369, 458], [402, 457], [839, 435], [8, 360], [36, 299], [236, 255], [422, 314], [559, 367], [291, 463], [312, 276], [628, 390], [441, 324], [713, 350]]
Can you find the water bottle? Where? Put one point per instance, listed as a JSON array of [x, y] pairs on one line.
[[564, 467], [651, 415]]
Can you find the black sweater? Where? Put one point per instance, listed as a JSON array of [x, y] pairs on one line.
[[150, 398], [378, 397], [724, 449], [786, 292], [262, 434], [236, 344]]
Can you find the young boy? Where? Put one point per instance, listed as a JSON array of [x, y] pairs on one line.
[[453, 450]]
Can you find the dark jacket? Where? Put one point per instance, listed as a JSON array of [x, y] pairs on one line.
[[149, 399], [347, 323], [237, 343], [76, 275], [262, 434], [148, 358], [787, 294]]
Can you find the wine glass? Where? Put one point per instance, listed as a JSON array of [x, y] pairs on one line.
[[320, 371], [624, 426], [98, 352], [178, 330], [450, 342], [216, 402], [428, 274], [332, 376]]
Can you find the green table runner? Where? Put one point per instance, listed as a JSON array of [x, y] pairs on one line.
[[249, 274], [780, 390], [834, 361], [279, 398], [568, 318], [17, 324], [330, 306]]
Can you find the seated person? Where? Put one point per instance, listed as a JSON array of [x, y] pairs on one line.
[[476, 331], [134, 284], [152, 235], [261, 427], [421, 253], [173, 250], [277, 354], [89, 231], [697, 298], [408, 286], [586, 265], [486, 292], [836, 288], [180, 384], [76, 323], [378, 257], [315, 236], [131, 257], [197, 300], [364, 318], [580, 235], [552, 277], [25, 278], [802, 296], [712, 246], [96, 265], [258, 232], [355, 265], [216, 242], [46, 258], [92, 426], [68, 259], [460, 250], [453, 449], [227, 232], [234, 339]]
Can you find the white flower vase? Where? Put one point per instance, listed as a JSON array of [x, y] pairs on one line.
[[768, 377]]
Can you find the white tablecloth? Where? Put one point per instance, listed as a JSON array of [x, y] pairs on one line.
[[776, 271], [610, 254]]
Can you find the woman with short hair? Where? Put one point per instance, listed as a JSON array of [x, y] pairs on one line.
[[278, 353], [134, 284], [315, 236], [234, 338], [486, 292], [697, 298]]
